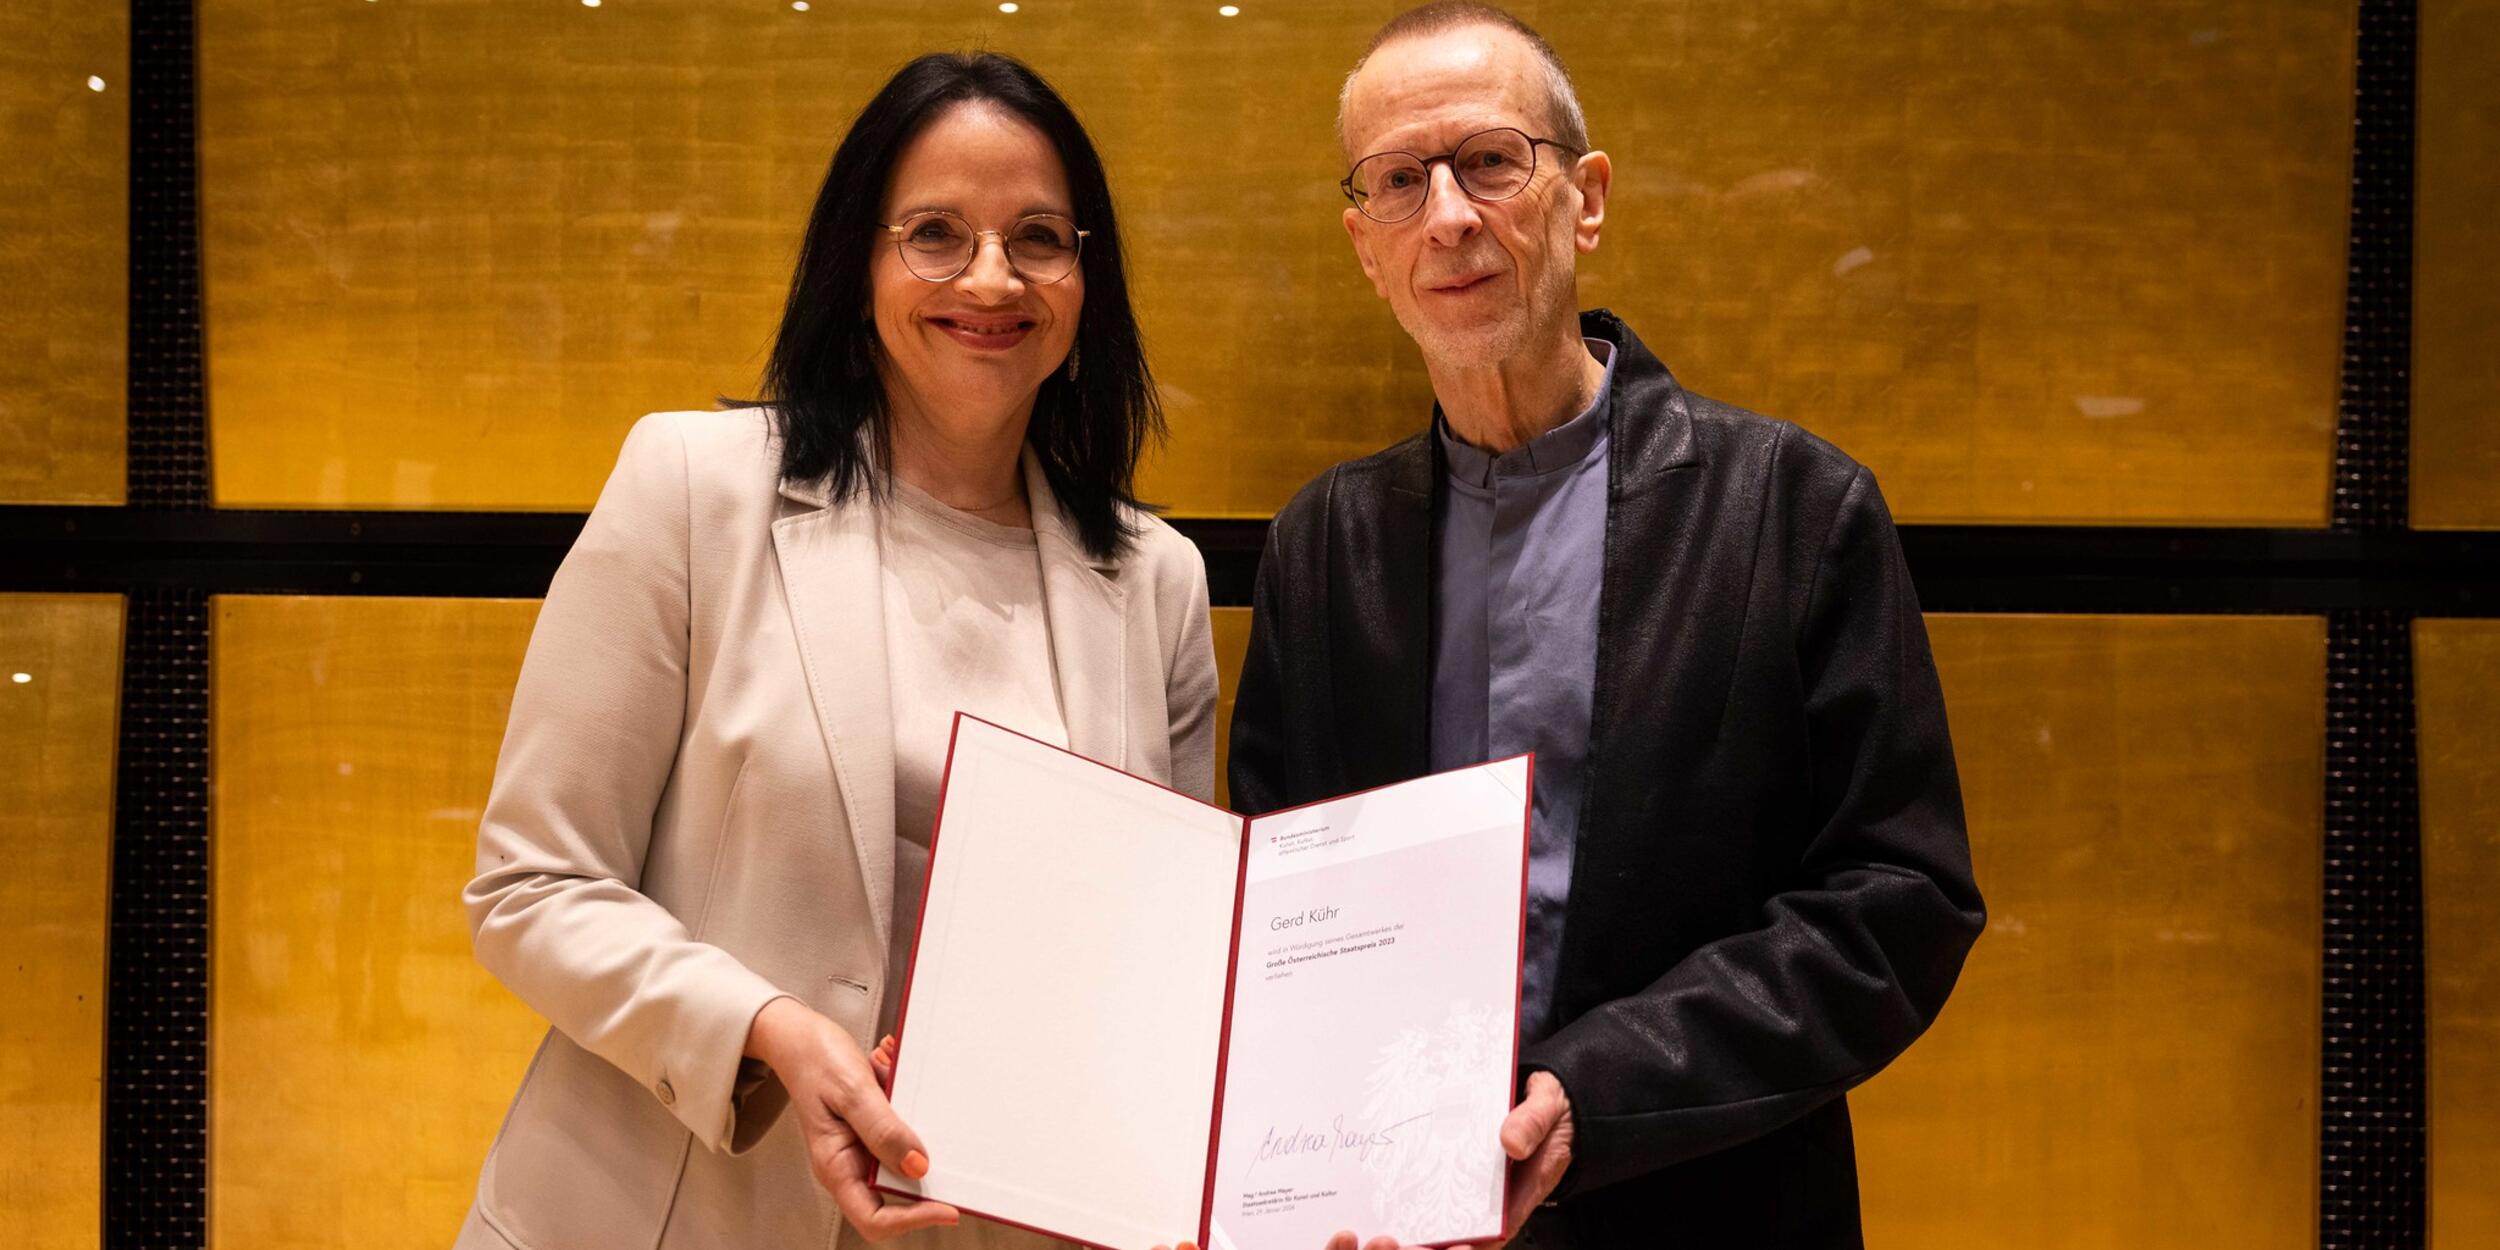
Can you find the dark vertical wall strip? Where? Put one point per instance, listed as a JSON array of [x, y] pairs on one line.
[[168, 406], [2375, 420], [2372, 1161], [156, 1029], [156, 1039]]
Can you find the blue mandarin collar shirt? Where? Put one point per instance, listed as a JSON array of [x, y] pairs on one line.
[[1518, 556]]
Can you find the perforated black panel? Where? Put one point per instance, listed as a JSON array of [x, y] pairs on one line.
[[156, 1045], [2372, 1167], [168, 409], [2375, 413]]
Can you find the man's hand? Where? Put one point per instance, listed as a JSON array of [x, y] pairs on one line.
[[1537, 1137], [839, 1098]]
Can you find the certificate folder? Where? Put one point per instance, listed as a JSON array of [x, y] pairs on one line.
[[1134, 1019]]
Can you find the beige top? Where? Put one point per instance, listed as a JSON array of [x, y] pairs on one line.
[[965, 632]]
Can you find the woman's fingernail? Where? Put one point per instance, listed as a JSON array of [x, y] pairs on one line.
[[1186, 1245], [915, 1165]]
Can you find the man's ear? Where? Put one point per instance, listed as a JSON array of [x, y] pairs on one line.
[[1357, 229], [1594, 176]]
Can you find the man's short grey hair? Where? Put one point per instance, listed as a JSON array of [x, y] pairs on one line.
[[1562, 100]]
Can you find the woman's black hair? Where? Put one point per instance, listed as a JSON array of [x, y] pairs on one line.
[[821, 382]]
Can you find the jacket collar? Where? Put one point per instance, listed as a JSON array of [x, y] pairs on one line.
[[1649, 419], [1387, 696], [1652, 422]]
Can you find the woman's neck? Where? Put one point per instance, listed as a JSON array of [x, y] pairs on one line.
[[973, 466]]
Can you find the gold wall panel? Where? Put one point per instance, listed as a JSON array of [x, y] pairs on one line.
[[2456, 682], [2035, 260], [2130, 1061], [56, 835], [2045, 260], [2456, 268], [1232, 642], [64, 138], [360, 1059]]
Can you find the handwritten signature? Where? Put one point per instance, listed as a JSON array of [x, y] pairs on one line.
[[1336, 1138]]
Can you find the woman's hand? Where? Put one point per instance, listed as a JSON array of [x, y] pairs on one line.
[[881, 1062], [850, 1127]]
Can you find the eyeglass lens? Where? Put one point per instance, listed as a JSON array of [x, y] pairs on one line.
[[1492, 165], [938, 246]]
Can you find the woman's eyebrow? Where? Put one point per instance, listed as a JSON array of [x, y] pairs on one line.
[[1034, 209]]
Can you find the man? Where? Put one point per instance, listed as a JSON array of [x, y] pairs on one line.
[[1749, 883]]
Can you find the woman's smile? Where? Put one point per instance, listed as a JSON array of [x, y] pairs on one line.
[[983, 333]]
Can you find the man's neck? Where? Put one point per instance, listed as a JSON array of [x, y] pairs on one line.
[[1504, 405]]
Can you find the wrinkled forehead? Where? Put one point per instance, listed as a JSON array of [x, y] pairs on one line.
[[1425, 93]]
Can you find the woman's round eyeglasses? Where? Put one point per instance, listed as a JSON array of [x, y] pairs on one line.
[[937, 246], [1490, 165]]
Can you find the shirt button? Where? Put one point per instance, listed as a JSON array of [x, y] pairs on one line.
[[668, 1096]]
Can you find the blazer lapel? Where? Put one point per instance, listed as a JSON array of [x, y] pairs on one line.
[[830, 575], [1381, 630], [1086, 610]]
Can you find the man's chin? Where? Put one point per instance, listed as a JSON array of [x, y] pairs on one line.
[[1475, 341]]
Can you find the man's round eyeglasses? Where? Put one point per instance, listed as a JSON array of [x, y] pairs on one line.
[[937, 246], [1490, 166]]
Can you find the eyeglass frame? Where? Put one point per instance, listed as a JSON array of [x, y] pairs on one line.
[[1450, 158], [1075, 259]]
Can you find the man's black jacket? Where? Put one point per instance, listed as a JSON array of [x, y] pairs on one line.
[[1772, 892]]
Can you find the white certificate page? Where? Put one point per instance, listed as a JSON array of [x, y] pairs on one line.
[[1375, 1016], [1062, 1027]]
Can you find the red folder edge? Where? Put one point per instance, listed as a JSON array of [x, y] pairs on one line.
[[1232, 965], [1224, 1039]]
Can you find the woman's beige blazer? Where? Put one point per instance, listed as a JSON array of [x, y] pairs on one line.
[[693, 813]]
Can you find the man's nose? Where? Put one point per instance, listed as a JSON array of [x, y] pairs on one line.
[[989, 279], [1449, 212]]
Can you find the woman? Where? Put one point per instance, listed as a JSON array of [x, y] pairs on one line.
[[703, 853]]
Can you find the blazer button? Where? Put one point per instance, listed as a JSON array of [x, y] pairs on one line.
[[668, 1096]]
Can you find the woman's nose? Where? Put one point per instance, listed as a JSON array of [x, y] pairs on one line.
[[989, 278]]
